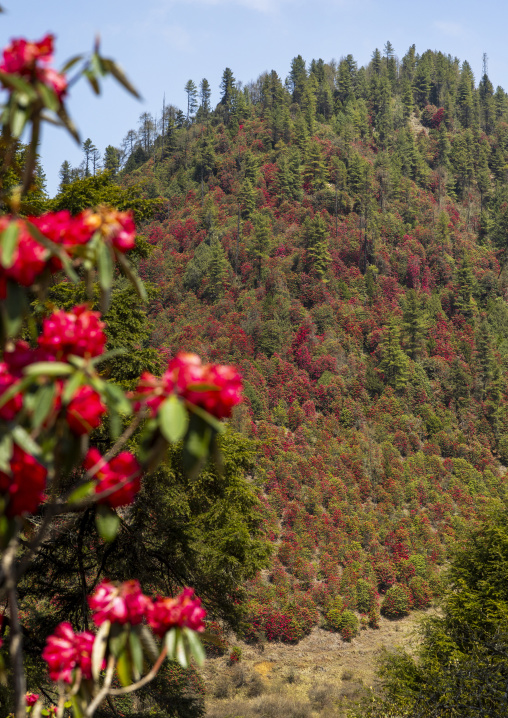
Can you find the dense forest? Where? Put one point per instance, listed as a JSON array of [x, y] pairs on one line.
[[339, 236]]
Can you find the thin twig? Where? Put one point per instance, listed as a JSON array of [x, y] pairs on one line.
[[104, 691], [16, 637], [143, 681]]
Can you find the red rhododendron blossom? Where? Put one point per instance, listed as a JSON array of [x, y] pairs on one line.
[[213, 387], [182, 611], [29, 257], [66, 650], [30, 60], [78, 332], [84, 411], [123, 472], [31, 698], [116, 227], [119, 604], [24, 488], [11, 407], [63, 229], [21, 356]]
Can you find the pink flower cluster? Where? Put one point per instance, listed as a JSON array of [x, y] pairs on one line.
[[127, 604], [123, 471], [30, 60], [78, 332], [30, 258], [119, 604], [116, 227], [31, 699], [23, 489], [65, 651], [213, 387]]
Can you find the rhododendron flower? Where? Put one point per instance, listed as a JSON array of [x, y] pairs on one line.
[[115, 226], [78, 332], [31, 698], [30, 60], [180, 612], [66, 650], [24, 488], [9, 410], [29, 258], [119, 604], [63, 229], [213, 387], [84, 411], [123, 472]]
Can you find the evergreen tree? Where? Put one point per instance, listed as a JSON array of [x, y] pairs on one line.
[[317, 256], [205, 94], [297, 78], [112, 159], [247, 198], [88, 150], [65, 174], [413, 323], [315, 169], [218, 271], [260, 243], [192, 102], [394, 363]]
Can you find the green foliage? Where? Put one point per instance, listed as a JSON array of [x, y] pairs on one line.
[[396, 602]]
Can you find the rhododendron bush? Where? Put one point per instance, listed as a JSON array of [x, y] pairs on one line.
[[53, 395]]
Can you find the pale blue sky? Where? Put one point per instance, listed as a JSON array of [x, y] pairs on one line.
[[163, 43]]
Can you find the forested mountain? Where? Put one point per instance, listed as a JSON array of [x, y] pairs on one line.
[[341, 237]]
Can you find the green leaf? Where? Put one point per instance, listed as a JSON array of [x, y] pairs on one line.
[[119, 75], [181, 653], [173, 419], [9, 239], [93, 81], [136, 650], [217, 425], [49, 97], [86, 489], [105, 266], [131, 275], [15, 82], [6, 446], [195, 645], [171, 640], [25, 441], [13, 308], [19, 119], [70, 63], [76, 707], [48, 368], [118, 639], [124, 669], [198, 443], [44, 399], [120, 351], [107, 522], [72, 385], [148, 642], [16, 388], [116, 398], [68, 123], [100, 645]]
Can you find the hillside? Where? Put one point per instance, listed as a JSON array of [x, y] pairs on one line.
[[341, 238]]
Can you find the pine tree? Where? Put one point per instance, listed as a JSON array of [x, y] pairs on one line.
[[315, 169], [465, 301], [218, 270], [205, 94], [413, 323], [65, 174], [112, 159], [247, 198], [317, 256], [297, 78], [192, 102], [394, 363], [88, 149], [260, 244]]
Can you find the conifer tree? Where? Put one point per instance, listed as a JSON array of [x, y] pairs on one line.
[[315, 169], [413, 323], [260, 244], [112, 159], [65, 173], [317, 256], [394, 363], [205, 94], [218, 270], [247, 198], [192, 102], [297, 78]]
